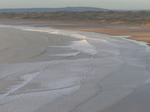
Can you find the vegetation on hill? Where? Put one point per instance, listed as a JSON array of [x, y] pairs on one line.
[[142, 17]]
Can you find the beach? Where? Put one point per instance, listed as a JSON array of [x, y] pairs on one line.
[[137, 32], [70, 67]]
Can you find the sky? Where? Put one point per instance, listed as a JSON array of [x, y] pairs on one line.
[[107, 4]]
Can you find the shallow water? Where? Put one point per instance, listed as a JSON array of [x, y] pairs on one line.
[[52, 70], [137, 101]]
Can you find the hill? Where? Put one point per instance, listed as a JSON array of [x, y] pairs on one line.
[[74, 9], [141, 17]]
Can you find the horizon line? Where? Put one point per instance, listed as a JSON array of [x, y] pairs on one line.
[[72, 7]]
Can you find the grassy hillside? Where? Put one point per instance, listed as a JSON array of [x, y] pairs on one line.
[[141, 17]]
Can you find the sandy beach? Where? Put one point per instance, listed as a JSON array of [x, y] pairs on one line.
[[46, 69], [137, 32]]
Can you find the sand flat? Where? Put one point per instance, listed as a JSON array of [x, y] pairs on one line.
[[139, 34], [44, 69]]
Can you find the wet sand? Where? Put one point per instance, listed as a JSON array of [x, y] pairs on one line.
[[22, 46], [52, 70], [137, 32], [137, 101]]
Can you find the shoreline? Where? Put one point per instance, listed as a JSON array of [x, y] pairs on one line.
[[65, 75], [137, 32]]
